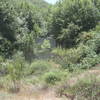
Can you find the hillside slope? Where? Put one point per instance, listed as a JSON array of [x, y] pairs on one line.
[[39, 3]]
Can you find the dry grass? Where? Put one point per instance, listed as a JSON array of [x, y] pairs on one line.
[[30, 92]]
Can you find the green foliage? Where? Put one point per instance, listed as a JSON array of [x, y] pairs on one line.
[[9, 28], [68, 35], [94, 43], [87, 88], [70, 55], [55, 76], [39, 67], [89, 62], [46, 44], [51, 78], [15, 68], [71, 17], [8, 22], [84, 56], [1, 59], [6, 47], [20, 21], [73, 23]]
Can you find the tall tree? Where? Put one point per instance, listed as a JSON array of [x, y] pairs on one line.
[[71, 17]]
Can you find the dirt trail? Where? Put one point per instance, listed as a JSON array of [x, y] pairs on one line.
[[30, 92], [43, 95]]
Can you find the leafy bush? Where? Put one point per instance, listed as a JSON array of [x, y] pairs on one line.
[[83, 56], [55, 76], [89, 62], [94, 43], [51, 78], [39, 67], [85, 36], [59, 51], [68, 57], [46, 44]]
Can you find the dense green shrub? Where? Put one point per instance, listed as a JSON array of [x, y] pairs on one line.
[[94, 43], [40, 67], [46, 45], [89, 62], [68, 56], [52, 78], [84, 56]]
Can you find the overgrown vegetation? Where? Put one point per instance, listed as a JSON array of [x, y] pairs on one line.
[[26, 51], [85, 88]]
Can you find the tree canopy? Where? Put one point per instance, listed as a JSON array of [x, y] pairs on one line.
[[71, 17]]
